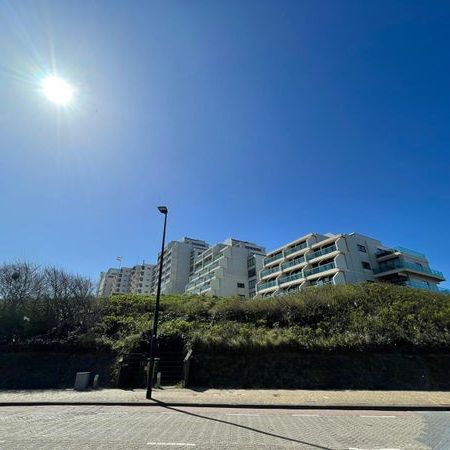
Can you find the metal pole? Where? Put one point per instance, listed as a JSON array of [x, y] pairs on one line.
[[154, 336]]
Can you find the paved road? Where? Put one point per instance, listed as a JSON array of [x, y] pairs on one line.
[[121, 427]]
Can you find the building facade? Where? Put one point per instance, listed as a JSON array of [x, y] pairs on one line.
[[107, 282], [178, 264], [316, 259], [139, 279], [227, 269]]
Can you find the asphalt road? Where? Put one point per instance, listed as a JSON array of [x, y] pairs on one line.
[[132, 427]]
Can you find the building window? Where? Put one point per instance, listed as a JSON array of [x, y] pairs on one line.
[[361, 248], [252, 284], [241, 285], [241, 296], [366, 265]]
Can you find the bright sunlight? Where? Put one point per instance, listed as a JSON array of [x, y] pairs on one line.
[[57, 90]]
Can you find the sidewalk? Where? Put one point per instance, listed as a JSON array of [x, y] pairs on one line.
[[258, 398]]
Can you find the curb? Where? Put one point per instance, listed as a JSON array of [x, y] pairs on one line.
[[240, 405]]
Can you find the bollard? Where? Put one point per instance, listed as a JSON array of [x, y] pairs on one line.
[[158, 380], [95, 383], [82, 381]]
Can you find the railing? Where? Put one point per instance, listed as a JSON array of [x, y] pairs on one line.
[[294, 262], [421, 285], [289, 278], [296, 248], [407, 251], [324, 251], [320, 283], [267, 285], [269, 259], [392, 265], [266, 272], [319, 269], [404, 250]]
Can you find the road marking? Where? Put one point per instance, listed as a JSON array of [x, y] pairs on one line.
[[237, 414], [174, 444], [372, 448], [380, 417], [305, 415]]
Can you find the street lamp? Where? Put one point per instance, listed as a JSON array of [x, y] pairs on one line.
[[154, 336]]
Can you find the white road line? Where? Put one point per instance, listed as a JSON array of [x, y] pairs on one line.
[[236, 414], [173, 444], [305, 415], [372, 448], [380, 417]]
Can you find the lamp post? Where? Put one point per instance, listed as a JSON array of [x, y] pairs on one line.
[[154, 336]]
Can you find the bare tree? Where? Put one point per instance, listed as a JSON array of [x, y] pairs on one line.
[[70, 297], [19, 282], [49, 300]]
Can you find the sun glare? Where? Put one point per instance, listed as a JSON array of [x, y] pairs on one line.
[[57, 90]]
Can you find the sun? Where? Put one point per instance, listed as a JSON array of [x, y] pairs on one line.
[[57, 90]]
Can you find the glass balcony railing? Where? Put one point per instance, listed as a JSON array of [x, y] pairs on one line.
[[324, 251], [319, 269], [266, 272], [289, 278], [421, 285], [267, 285], [406, 251], [292, 263], [296, 248], [269, 259], [399, 264]]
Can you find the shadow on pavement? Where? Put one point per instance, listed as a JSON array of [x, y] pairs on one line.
[[241, 426]]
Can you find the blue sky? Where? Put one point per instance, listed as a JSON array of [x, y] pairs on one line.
[[261, 120]]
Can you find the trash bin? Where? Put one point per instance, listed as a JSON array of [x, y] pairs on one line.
[[82, 381]]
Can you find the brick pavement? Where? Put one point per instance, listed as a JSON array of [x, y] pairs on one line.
[[111, 427], [239, 397]]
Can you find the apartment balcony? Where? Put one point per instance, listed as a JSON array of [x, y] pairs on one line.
[[319, 283], [322, 252], [293, 263], [421, 285], [267, 272], [389, 253], [295, 248], [320, 269], [289, 278], [271, 259], [399, 265], [268, 285]]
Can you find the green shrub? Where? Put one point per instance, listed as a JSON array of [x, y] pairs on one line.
[[351, 317]]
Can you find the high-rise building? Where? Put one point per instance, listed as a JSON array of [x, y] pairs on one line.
[[107, 282], [137, 280], [179, 261], [316, 259], [228, 269]]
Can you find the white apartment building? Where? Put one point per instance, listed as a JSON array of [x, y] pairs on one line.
[[178, 263], [137, 280], [107, 282], [316, 259], [255, 263], [228, 269]]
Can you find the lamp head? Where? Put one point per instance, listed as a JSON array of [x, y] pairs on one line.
[[163, 209]]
